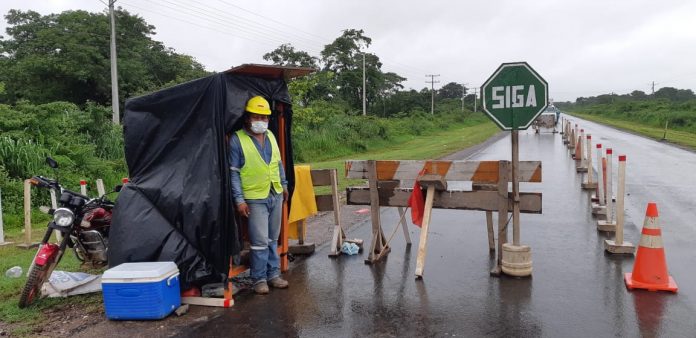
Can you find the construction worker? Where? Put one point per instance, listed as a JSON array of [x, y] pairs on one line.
[[259, 188]]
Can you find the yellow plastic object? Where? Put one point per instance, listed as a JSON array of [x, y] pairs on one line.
[[304, 203], [258, 105]]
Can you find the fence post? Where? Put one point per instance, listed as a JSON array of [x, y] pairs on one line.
[[2, 231], [618, 246], [100, 187], [27, 217], [609, 225]]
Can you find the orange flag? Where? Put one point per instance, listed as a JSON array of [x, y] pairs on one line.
[[417, 204]]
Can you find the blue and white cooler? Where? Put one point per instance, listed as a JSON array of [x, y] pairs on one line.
[[137, 291]]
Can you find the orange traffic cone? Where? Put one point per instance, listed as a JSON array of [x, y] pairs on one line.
[[650, 267]]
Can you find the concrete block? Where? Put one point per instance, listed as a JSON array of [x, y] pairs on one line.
[[589, 186], [624, 248], [606, 226]]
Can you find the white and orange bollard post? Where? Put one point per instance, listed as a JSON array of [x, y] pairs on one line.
[[618, 245], [600, 208], [589, 181], [580, 166], [608, 225], [83, 187]]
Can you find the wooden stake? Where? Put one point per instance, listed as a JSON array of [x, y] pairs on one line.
[[423, 242], [27, 218], [27, 212]]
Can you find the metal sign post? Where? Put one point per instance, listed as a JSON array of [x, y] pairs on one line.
[[513, 97]]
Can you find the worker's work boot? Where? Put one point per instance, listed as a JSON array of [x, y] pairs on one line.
[[278, 283], [261, 288]]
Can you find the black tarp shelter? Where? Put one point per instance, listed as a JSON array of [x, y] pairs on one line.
[[178, 205]]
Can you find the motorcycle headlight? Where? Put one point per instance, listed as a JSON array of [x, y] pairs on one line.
[[63, 217]]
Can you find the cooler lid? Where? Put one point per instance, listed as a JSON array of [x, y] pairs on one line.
[[141, 270]]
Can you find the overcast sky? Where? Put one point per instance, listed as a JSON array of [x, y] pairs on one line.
[[581, 47]]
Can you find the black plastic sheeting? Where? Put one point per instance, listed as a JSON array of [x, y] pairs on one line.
[[178, 204]]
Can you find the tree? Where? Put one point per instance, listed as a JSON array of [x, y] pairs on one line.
[[65, 57], [674, 94], [286, 55], [451, 90], [638, 95]]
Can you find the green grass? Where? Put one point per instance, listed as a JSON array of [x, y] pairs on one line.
[[24, 320], [682, 138]]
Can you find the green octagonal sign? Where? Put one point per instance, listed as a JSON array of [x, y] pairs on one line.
[[514, 96]]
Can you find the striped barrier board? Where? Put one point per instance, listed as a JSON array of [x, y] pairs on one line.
[[530, 202], [474, 171]]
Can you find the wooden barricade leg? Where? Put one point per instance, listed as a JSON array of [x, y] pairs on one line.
[[502, 215], [489, 225], [404, 226], [378, 243], [423, 242]]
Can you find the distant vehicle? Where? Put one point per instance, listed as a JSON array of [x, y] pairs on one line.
[[547, 119]]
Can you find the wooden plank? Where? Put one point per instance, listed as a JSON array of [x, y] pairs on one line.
[[205, 301], [376, 246], [324, 202], [530, 202], [423, 242], [334, 194], [476, 171], [321, 177]]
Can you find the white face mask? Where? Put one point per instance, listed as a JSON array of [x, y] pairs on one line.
[[259, 127]]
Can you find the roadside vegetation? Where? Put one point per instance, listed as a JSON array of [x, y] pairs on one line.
[[669, 114]]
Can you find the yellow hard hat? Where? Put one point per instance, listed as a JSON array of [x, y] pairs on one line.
[[258, 105]]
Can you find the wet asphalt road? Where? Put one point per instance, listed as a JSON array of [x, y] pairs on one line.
[[576, 290]]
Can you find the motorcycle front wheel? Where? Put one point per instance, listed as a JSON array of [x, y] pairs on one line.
[[32, 289]]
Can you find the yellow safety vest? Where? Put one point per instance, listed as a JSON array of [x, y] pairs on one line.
[[256, 175]]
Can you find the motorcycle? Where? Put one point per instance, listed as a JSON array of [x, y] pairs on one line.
[[84, 226]]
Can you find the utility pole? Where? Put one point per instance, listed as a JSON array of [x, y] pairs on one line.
[[364, 90], [432, 91], [475, 99], [463, 94], [114, 73]]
